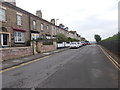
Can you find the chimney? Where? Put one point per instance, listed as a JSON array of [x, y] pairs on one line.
[[53, 21], [66, 28], [13, 2], [39, 13]]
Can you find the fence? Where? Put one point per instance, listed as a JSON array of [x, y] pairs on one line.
[[112, 45]]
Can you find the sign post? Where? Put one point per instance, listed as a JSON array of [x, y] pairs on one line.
[[33, 44]]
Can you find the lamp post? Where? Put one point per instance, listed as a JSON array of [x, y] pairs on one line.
[[56, 32]]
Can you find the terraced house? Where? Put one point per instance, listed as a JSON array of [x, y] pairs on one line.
[[18, 26]]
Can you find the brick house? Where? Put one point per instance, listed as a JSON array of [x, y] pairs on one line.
[[18, 26], [14, 30]]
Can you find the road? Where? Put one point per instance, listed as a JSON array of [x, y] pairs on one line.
[[86, 67]]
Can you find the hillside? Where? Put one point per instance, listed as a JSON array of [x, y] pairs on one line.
[[115, 37]]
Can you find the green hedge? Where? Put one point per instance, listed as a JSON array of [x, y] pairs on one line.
[[48, 42]]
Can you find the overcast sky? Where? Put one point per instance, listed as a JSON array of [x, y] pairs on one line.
[[87, 17]]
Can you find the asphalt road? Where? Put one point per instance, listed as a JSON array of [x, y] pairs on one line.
[[86, 67]]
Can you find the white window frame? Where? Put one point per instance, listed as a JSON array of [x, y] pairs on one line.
[[3, 14], [1, 35], [48, 28], [42, 26], [19, 19], [18, 36], [34, 25]]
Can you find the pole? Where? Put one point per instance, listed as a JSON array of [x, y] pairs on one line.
[[56, 33], [32, 44]]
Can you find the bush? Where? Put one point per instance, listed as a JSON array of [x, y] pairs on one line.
[[48, 42]]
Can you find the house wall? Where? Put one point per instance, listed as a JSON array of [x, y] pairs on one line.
[[11, 22]]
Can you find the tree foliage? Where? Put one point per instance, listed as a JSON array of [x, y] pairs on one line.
[[61, 37], [71, 40], [97, 38], [114, 37]]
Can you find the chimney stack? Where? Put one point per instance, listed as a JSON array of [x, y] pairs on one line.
[[53, 21], [39, 13]]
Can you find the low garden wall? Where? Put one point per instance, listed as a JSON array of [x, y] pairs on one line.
[[15, 52], [18, 52], [45, 48]]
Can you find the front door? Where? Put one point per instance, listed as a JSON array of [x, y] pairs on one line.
[[5, 39]]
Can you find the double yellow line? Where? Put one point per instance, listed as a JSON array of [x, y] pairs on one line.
[[14, 67], [111, 59]]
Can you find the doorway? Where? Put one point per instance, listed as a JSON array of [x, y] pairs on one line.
[[4, 39]]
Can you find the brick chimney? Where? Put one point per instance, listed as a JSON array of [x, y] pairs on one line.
[[39, 13], [53, 21], [11, 1]]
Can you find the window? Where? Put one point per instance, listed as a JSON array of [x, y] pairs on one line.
[[19, 19], [42, 27], [2, 14], [34, 25], [47, 28], [19, 37]]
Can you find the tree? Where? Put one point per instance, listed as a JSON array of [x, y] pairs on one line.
[[97, 38], [61, 37], [72, 40]]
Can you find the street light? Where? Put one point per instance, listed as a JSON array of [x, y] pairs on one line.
[[56, 31], [56, 21]]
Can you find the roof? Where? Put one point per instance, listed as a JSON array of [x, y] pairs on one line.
[[73, 32], [24, 11]]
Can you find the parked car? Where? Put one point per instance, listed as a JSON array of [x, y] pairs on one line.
[[87, 43], [74, 45], [83, 43], [80, 44]]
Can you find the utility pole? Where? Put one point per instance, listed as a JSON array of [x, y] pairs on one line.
[[56, 31]]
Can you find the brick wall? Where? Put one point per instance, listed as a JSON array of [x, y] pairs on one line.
[[13, 53], [46, 48], [39, 47]]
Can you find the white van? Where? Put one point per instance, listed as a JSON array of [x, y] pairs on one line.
[[74, 45]]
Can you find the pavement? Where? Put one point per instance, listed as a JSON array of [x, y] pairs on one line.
[[15, 62], [86, 67]]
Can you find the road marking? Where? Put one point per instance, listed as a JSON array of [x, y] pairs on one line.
[[111, 59], [14, 67]]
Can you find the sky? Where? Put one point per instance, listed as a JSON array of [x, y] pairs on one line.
[[87, 17]]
